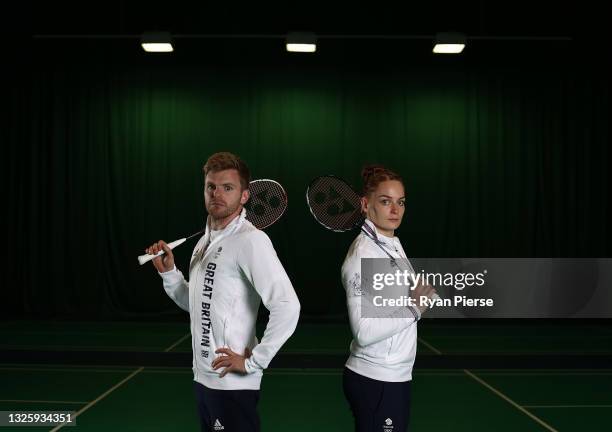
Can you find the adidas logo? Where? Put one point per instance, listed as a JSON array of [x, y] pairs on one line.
[[218, 426]]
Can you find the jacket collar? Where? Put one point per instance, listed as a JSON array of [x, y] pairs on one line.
[[230, 228], [205, 241], [371, 228]]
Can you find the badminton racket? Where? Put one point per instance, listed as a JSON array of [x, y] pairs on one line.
[[266, 205], [337, 206]]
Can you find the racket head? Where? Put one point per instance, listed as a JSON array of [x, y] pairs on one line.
[[266, 204], [334, 203]]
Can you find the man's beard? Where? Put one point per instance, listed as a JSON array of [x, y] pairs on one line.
[[221, 212]]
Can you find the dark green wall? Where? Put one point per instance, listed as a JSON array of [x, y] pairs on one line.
[[503, 154]]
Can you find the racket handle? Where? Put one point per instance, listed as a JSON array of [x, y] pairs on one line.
[[435, 296], [148, 257]]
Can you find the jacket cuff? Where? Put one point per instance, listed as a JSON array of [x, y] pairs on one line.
[[250, 366], [416, 312], [171, 276]]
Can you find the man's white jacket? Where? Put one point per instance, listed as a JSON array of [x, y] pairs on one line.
[[228, 278], [383, 348]]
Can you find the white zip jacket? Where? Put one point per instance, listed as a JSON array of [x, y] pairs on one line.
[[227, 280], [383, 349]]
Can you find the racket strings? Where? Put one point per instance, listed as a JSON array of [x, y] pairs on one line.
[[267, 203], [334, 203]]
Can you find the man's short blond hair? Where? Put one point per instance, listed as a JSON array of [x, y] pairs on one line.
[[226, 160]]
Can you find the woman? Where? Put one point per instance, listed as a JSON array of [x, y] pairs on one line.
[[378, 372]]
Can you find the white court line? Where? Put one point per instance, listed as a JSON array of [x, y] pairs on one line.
[[304, 373], [43, 401], [431, 347], [541, 374], [568, 406], [314, 350], [177, 342], [153, 370], [511, 402], [301, 372], [497, 392], [78, 369], [125, 348], [170, 370], [124, 370], [99, 398], [528, 336]]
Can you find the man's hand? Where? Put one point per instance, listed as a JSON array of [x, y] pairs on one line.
[[420, 291], [231, 361], [164, 262]]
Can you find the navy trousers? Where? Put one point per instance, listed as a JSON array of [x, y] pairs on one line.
[[377, 406], [227, 410]]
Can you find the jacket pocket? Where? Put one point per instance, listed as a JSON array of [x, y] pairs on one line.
[[378, 350], [225, 333], [227, 328], [390, 346]]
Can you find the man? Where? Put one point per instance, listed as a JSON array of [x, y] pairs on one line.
[[233, 268]]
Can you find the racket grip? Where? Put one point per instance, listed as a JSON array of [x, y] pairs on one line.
[[435, 296], [148, 257]]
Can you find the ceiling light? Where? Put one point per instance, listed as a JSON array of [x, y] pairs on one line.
[[449, 43], [301, 42], [156, 42]]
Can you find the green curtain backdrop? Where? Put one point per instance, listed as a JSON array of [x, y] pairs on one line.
[[104, 145]]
